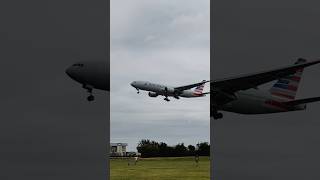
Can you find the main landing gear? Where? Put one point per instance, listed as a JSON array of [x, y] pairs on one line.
[[176, 96], [90, 98], [166, 94], [217, 115], [89, 90]]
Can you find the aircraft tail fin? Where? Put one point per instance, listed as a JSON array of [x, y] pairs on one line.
[[199, 89], [286, 88]]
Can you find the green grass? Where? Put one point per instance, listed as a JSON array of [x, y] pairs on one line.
[[161, 168]]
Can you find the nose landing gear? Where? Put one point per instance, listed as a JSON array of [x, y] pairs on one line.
[[89, 90], [217, 115], [138, 91], [90, 98], [167, 99]]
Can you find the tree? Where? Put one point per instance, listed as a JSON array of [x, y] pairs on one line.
[[163, 149], [191, 150], [180, 150], [203, 149], [148, 148]]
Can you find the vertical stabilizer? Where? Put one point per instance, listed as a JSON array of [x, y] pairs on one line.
[[286, 88], [199, 89]]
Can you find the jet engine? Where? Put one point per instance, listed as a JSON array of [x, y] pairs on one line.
[[168, 90], [152, 94]]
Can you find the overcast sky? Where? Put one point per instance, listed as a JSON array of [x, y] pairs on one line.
[[166, 42]]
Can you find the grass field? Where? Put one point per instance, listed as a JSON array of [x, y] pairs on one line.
[[160, 168]]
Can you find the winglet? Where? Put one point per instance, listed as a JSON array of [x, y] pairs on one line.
[[305, 64], [300, 61]]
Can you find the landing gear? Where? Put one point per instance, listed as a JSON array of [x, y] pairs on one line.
[[89, 90], [217, 115], [176, 96], [90, 98], [138, 91], [166, 94]]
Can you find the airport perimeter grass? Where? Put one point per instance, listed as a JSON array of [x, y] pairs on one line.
[[160, 168]]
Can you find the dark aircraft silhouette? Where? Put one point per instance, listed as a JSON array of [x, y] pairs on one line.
[[92, 75]]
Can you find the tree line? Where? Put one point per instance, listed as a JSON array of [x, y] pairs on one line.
[[149, 148]]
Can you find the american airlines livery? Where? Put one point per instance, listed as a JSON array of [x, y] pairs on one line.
[[176, 92], [238, 94], [241, 94]]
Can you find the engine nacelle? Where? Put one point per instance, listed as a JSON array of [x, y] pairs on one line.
[[168, 90], [152, 94]]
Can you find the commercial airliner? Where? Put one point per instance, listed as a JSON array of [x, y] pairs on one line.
[[176, 92], [241, 94], [95, 75], [92, 75], [238, 94]]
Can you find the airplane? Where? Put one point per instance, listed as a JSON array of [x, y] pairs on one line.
[[241, 94], [176, 92], [92, 75]]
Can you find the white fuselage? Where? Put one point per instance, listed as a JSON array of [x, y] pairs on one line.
[[255, 101], [163, 90]]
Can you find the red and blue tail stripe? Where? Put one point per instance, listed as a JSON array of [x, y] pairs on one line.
[[286, 88], [199, 89]]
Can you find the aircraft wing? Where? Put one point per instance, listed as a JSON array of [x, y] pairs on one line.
[[244, 82], [182, 88]]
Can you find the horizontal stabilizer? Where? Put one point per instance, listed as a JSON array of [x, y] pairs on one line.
[[248, 81], [302, 101]]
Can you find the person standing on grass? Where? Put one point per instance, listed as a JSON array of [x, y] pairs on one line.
[[129, 159], [196, 159], [135, 160], [132, 158]]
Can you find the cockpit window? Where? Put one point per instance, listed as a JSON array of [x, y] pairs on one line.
[[78, 64]]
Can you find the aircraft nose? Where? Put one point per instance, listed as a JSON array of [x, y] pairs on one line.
[[72, 73], [68, 71], [77, 73], [134, 84]]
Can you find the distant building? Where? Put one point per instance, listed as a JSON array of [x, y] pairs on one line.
[[118, 149]]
